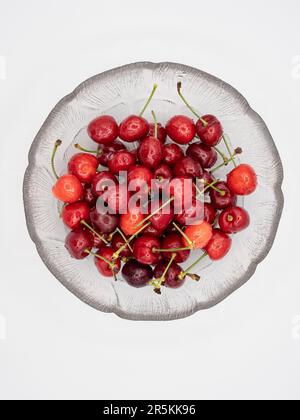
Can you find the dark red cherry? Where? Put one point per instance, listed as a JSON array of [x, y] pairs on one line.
[[181, 129], [172, 153], [222, 200], [143, 250], [205, 155], [78, 242], [137, 274], [212, 133], [192, 214], [150, 152], [174, 241], [133, 128], [161, 219], [161, 132], [102, 181], [108, 152], [108, 266], [121, 161], [117, 243], [104, 223], [73, 214], [172, 279], [188, 168], [83, 166], [234, 220], [89, 197], [207, 179], [103, 130], [219, 245], [163, 173], [139, 179], [210, 213], [184, 192]]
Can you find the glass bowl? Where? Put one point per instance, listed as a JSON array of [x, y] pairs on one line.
[[121, 92]]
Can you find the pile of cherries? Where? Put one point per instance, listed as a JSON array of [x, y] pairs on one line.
[[153, 245]]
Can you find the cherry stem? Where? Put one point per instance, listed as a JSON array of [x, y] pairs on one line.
[[125, 239], [149, 100], [157, 283], [187, 271], [223, 156], [156, 211], [112, 265], [179, 86], [232, 159], [84, 223], [228, 149], [94, 152], [156, 124], [208, 186], [191, 246], [121, 249], [56, 146], [186, 248]]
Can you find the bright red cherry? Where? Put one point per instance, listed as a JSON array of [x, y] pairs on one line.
[[161, 132], [68, 189], [78, 242], [108, 152], [172, 153], [234, 220], [151, 230], [210, 133], [172, 279], [89, 197], [181, 129], [83, 166], [162, 218], [143, 250], [121, 161], [223, 198], [102, 182], [242, 180], [129, 221], [150, 152], [199, 235], [188, 168], [174, 241], [219, 245], [134, 128], [210, 213], [205, 155], [104, 223], [73, 214], [139, 179], [191, 215], [106, 264], [119, 242], [103, 130]]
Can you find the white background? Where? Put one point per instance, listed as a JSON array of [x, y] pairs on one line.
[[56, 347]]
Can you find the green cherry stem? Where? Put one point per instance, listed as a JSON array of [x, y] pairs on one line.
[[84, 223], [186, 248], [187, 271], [223, 156], [237, 151], [94, 152], [124, 238], [208, 186], [56, 146], [112, 265], [156, 124], [148, 100], [228, 149], [121, 249], [191, 246], [156, 211], [157, 283], [179, 86]]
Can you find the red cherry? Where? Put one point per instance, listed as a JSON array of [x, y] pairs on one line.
[[129, 221], [219, 245], [104, 223], [122, 161], [181, 129], [103, 130], [150, 152], [234, 220], [117, 199], [73, 214], [136, 274], [83, 166], [89, 197], [199, 235], [161, 132], [97, 242], [205, 155], [210, 134], [139, 179], [102, 181], [68, 189], [151, 230], [117, 243], [161, 219], [195, 211], [163, 172], [78, 242], [188, 168], [210, 213], [108, 152], [207, 179], [224, 200], [143, 250], [172, 153], [174, 241], [183, 190], [111, 266], [133, 128], [242, 180], [172, 279]]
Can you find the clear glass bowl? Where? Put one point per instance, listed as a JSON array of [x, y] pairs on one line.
[[121, 92]]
